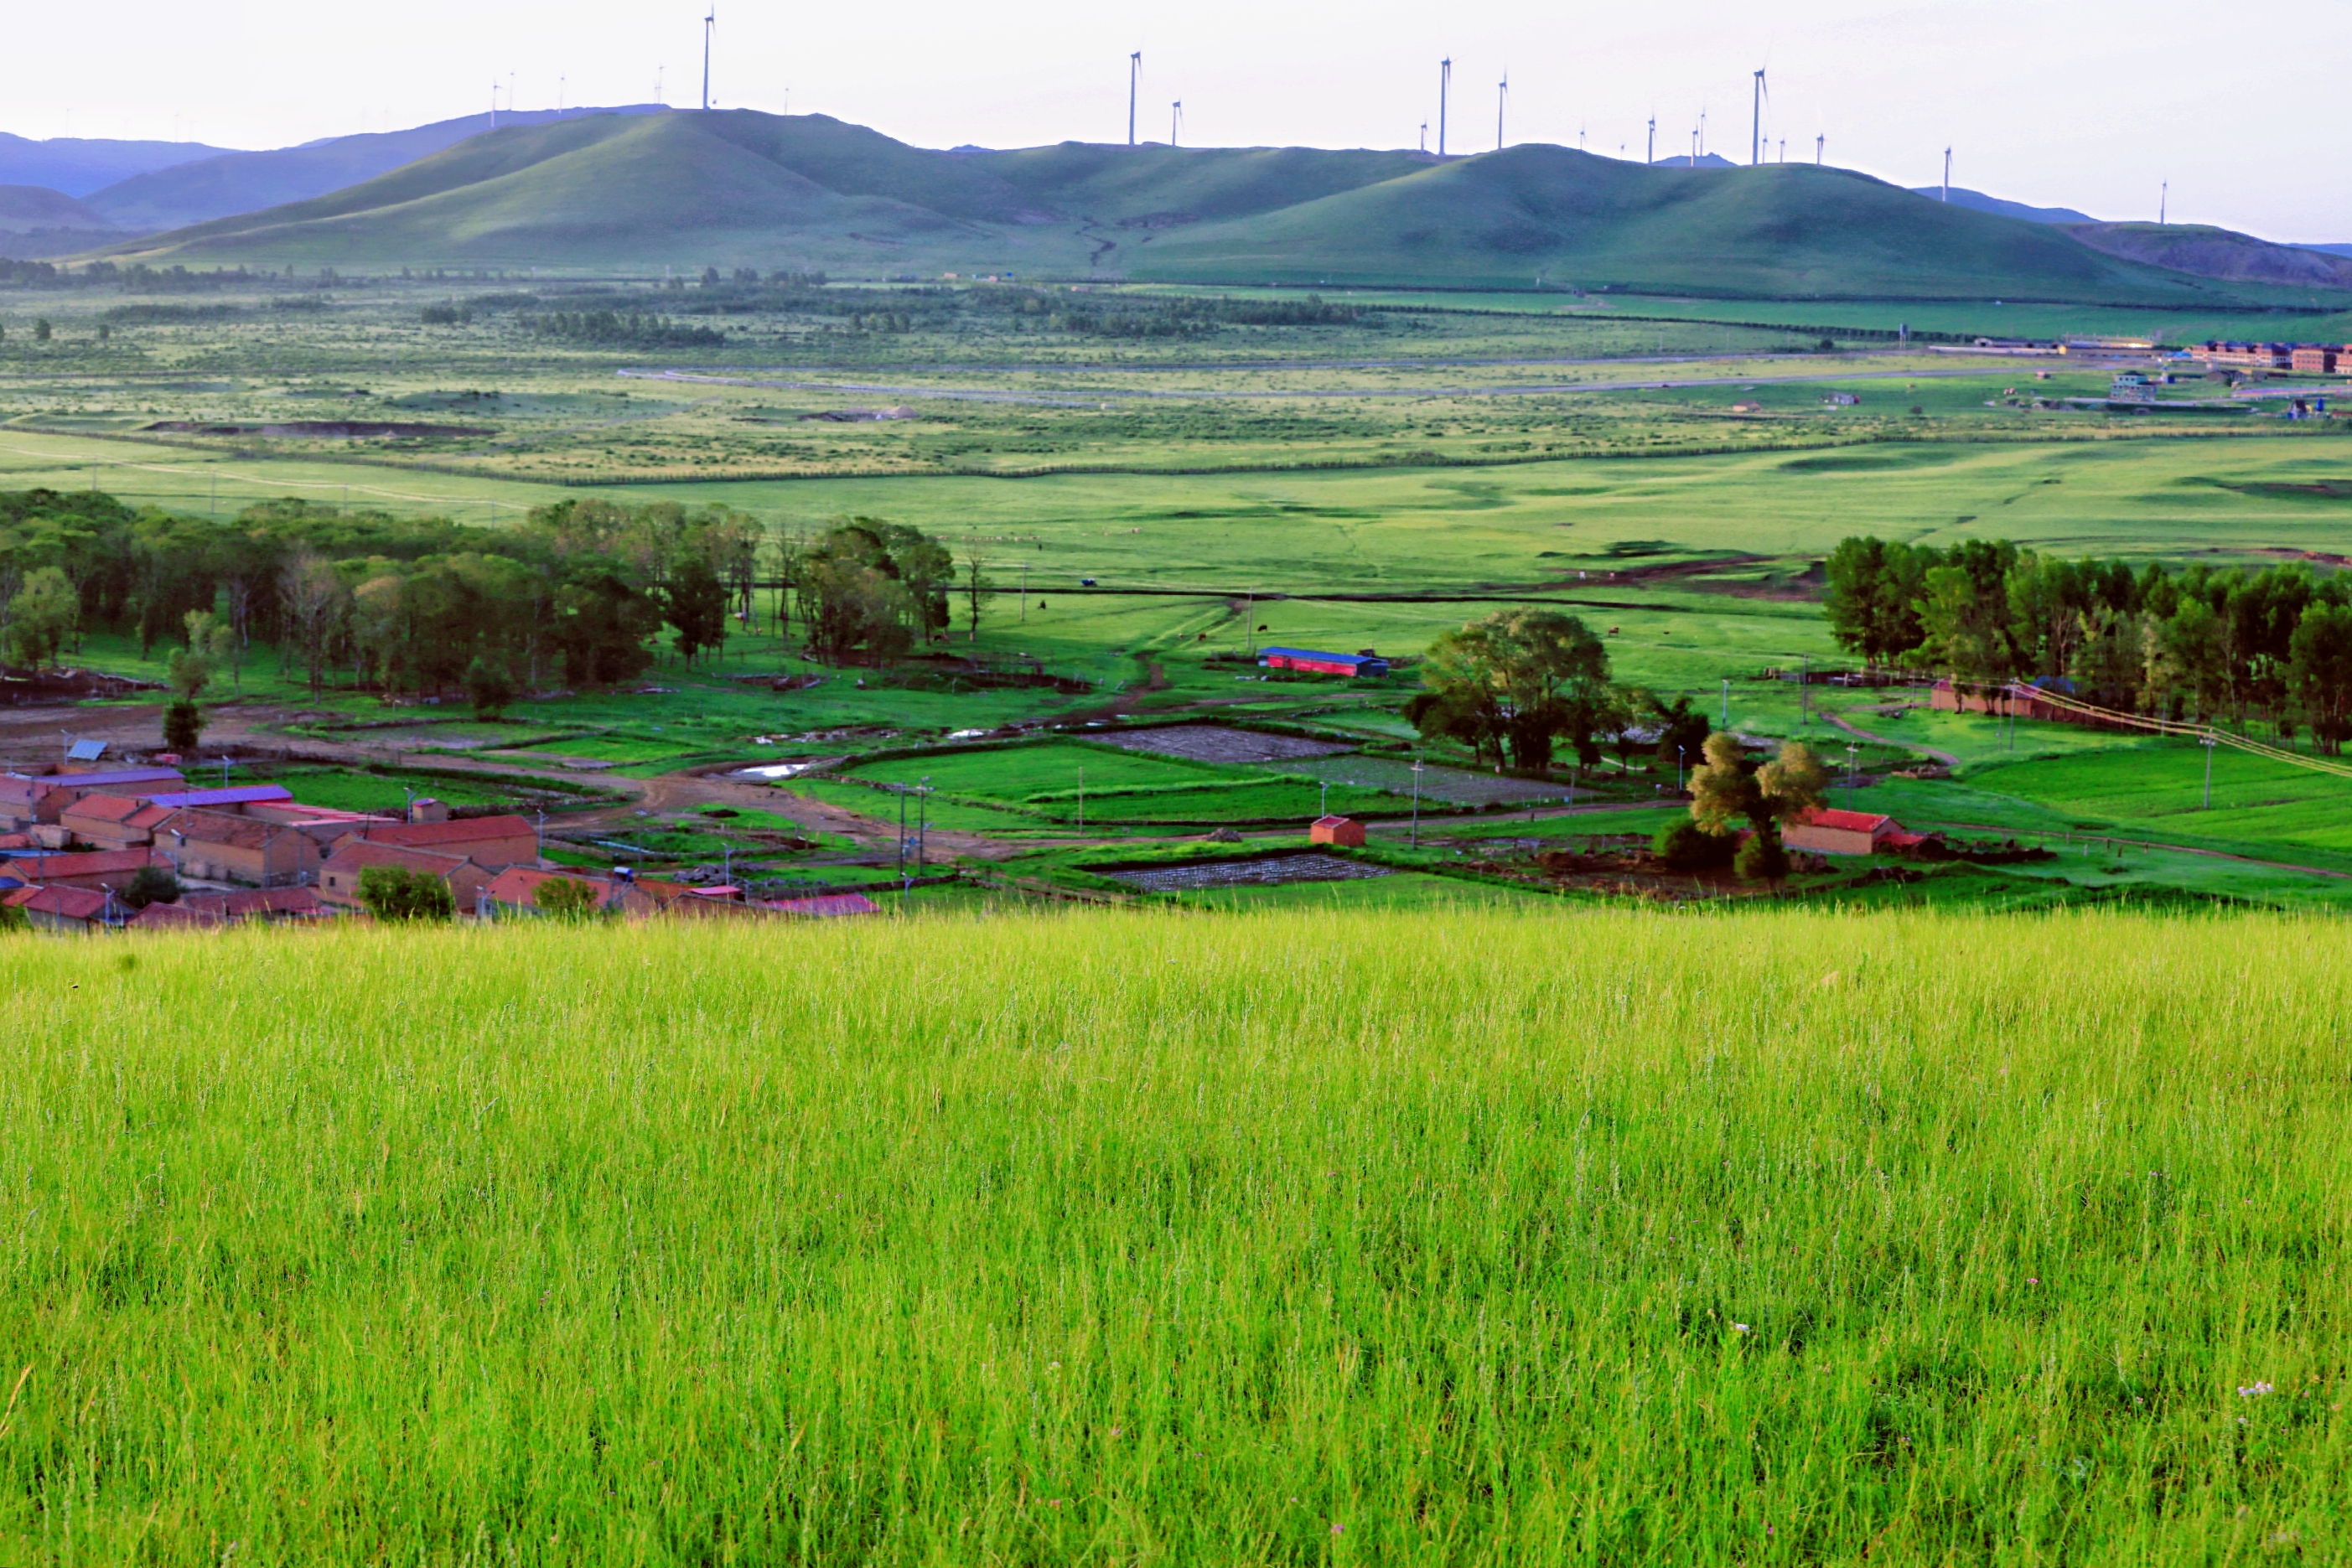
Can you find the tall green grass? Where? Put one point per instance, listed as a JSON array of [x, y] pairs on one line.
[[1460, 1237]]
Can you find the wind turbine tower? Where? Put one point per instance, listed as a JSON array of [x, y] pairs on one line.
[[1947, 173], [494, 105], [710, 21], [1444, 82], [1821, 146], [1134, 81], [1502, 97], [1175, 121], [2163, 201], [1652, 155], [1756, 127]]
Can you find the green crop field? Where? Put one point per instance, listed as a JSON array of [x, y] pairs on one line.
[[1319, 1238], [1054, 782]]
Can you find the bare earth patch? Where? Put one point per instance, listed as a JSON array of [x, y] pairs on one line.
[[1270, 872], [1216, 743]]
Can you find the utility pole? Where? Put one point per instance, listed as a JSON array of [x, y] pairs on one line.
[[1249, 619], [1727, 701], [1024, 593], [1082, 799], [2210, 744], [1416, 799], [922, 821], [901, 789]]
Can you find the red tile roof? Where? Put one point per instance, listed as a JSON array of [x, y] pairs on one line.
[[80, 863], [104, 808], [65, 902], [249, 902], [176, 916], [1847, 822], [458, 831]]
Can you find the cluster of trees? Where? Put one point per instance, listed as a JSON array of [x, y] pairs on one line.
[[875, 588], [1726, 788], [615, 326], [579, 591], [2201, 643], [1519, 684], [138, 278]]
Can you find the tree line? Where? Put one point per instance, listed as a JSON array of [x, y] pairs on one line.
[[579, 593], [2201, 643]]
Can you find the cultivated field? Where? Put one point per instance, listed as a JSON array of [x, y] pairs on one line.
[[1326, 1237]]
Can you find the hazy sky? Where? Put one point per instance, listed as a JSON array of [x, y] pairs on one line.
[[2081, 103]]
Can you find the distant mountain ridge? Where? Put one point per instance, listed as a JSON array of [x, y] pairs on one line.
[[737, 187], [1978, 201], [78, 167]]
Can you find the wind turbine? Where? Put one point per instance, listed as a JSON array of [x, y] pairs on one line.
[[1444, 81], [1820, 145], [1502, 98], [1702, 137], [1134, 79], [1424, 136], [709, 23], [494, 105], [2163, 201], [1947, 173], [559, 95], [1756, 128], [1175, 121], [1651, 156], [657, 86]]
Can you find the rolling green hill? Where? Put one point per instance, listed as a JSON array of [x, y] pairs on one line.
[[1511, 217], [736, 188]]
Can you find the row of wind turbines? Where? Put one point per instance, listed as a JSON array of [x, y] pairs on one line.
[[1756, 143]]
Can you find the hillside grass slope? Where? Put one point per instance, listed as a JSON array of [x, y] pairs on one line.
[[1604, 1237], [738, 187]]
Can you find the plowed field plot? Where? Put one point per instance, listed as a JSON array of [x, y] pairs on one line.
[[1270, 873], [1448, 786], [1216, 743]]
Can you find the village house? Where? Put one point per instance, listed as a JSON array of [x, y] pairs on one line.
[[27, 799], [93, 871], [113, 821], [515, 892], [1825, 832], [206, 845], [493, 843], [70, 910], [339, 878], [1367, 665], [1345, 832]]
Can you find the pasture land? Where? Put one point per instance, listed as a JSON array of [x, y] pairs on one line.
[[1318, 1237]]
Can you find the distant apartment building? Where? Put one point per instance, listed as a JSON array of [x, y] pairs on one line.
[[2247, 355], [2314, 359]]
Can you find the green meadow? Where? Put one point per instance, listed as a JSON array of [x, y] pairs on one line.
[[1346, 1235]]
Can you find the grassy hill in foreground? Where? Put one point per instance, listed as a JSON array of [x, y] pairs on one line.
[[738, 187], [1602, 1237]]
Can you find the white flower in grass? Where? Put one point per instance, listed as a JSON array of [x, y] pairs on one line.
[[2254, 1390]]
